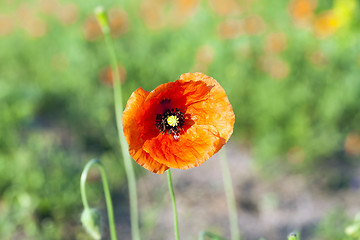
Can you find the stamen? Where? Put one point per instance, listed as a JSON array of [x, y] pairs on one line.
[[170, 122]]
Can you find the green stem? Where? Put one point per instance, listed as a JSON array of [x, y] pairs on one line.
[[109, 204], [172, 194], [129, 170], [230, 197], [83, 185]]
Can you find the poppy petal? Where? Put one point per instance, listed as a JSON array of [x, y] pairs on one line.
[[216, 110], [145, 160], [193, 148], [133, 136], [180, 92]]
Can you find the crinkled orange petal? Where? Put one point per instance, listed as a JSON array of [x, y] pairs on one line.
[[216, 110], [181, 93], [193, 148], [133, 136], [209, 121]]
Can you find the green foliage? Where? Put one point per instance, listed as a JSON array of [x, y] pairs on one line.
[[209, 235], [333, 226]]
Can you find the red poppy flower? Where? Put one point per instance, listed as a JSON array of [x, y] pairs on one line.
[[179, 124]]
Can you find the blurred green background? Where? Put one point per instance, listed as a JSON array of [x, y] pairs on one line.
[[291, 70]]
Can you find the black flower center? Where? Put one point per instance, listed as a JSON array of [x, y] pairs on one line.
[[170, 122]]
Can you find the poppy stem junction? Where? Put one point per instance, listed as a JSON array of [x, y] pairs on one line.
[[172, 194], [129, 170], [90, 217], [230, 197]]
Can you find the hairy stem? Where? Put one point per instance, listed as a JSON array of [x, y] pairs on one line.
[[172, 194], [109, 204], [129, 169], [230, 197]]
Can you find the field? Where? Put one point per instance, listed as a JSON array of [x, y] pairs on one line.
[[291, 70]]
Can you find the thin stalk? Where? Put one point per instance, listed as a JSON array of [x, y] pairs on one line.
[[129, 170], [230, 197], [172, 194], [83, 185], [109, 204]]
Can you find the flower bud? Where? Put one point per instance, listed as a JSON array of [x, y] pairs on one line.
[[352, 230], [292, 236], [90, 218], [102, 19]]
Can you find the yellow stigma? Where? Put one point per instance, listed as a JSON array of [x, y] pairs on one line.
[[172, 120]]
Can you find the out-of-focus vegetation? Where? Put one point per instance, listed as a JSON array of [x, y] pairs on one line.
[[291, 70]]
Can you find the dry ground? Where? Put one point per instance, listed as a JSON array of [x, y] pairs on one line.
[[267, 207]]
